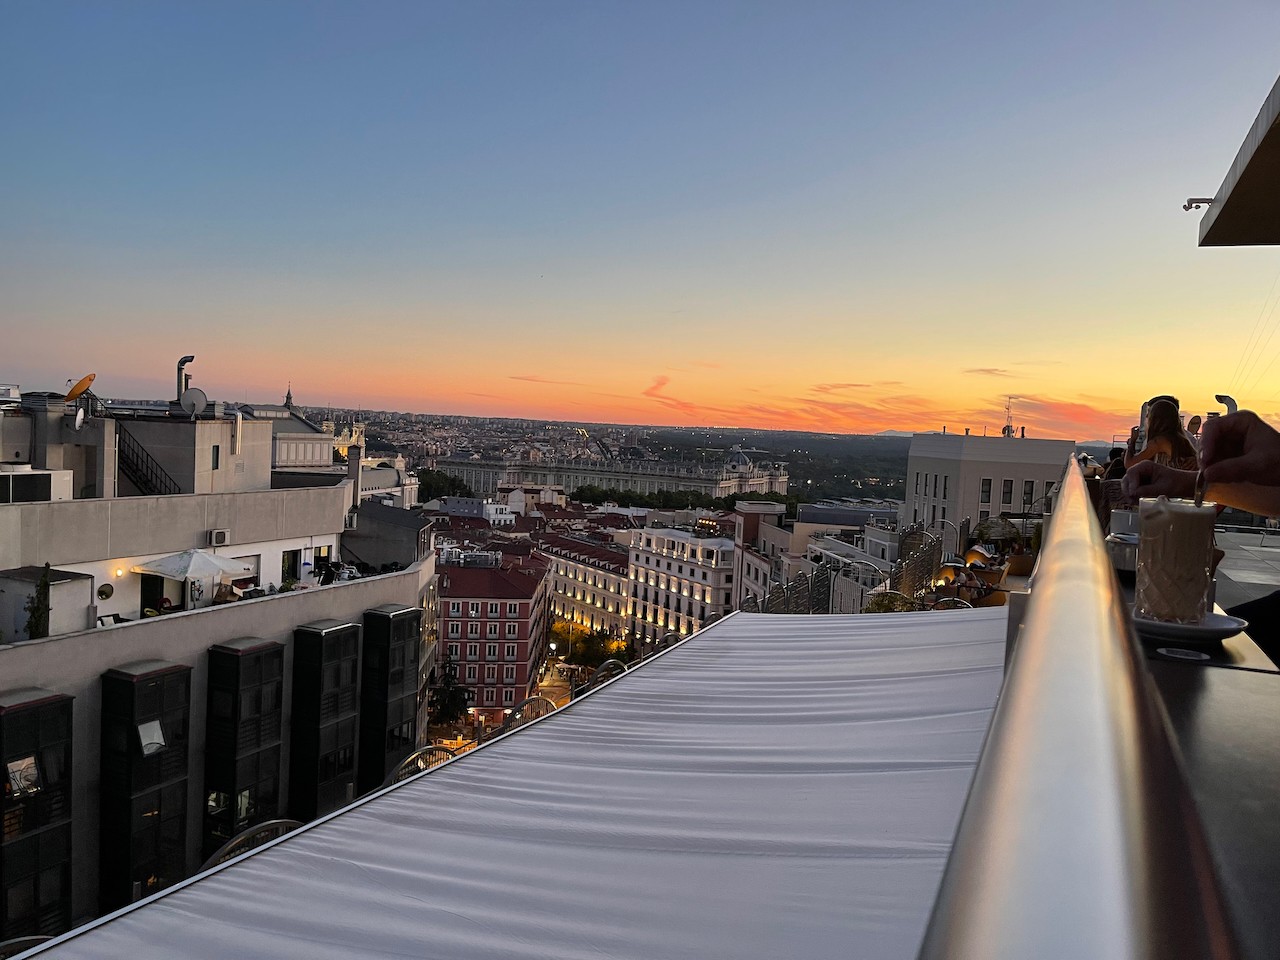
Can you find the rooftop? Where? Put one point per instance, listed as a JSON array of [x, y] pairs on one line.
[[494, 583], [718, 801]]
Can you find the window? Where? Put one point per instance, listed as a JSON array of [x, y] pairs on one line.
[[935, 484], [24, 777], [217, 456], [933, 514], [508, 696], [493, 609], [473, 628], [491, 651], [513, 609], [151, 735], [983, 514], [490, 674], [455, 629], [1006, 492], [917, 481], [473, 651], [1048, 486], [471, 673], [492, 630], [291, 565], [945, 481], [513, 629], [986, 491], [455, 608], [509, 674], [511, 651], [453, 651], [490, 695]]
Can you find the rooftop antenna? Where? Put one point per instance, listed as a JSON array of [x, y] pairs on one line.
[[81, 385], [1007, 429]]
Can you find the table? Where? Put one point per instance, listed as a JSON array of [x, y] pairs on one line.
[[1226, 723]]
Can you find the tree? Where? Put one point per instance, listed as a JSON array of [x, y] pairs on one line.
[[434, 483], [449, 701], [37, 608]]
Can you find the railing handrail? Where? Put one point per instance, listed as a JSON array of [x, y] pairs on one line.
[[1079, 837], [136, 458]]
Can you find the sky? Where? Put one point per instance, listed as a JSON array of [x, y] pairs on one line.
[[839, 217]]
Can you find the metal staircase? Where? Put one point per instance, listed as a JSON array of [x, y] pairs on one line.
[[142, 469]]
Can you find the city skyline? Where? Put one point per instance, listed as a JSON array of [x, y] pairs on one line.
[[844, 219]]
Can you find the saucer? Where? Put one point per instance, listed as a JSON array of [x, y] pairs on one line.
[[1214, 627]]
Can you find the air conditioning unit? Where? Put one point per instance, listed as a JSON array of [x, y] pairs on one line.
[[219, 538], [349, 521]]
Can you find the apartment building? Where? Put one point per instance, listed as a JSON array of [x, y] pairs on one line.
[[493, 625], [158, 713], [770, 550], [589, 582], [953, 476], [679, 579]]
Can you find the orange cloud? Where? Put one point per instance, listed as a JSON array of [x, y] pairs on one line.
[[990, 371]]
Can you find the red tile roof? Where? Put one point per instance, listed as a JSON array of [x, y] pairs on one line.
[[597, 555], [489, 583]]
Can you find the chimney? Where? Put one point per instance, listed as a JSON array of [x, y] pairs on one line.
[[966, 431], [1024, 433], [353, 472]]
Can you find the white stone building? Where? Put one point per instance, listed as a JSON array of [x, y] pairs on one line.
[[678, 580], [953, 476], [589, 582]]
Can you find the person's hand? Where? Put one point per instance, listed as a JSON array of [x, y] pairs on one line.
[[1150, 479], [1240, 448]]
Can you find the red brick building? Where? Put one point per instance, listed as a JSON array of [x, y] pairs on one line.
[[493, 625]]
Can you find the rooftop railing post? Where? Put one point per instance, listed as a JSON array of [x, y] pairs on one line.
[[1079, 837]]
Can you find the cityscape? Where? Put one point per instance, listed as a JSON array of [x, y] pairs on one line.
[[591, 481]]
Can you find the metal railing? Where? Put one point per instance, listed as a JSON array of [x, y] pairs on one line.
[[141, 468], [1079, 837]]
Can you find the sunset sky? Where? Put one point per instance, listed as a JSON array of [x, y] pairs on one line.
[[826, 216]]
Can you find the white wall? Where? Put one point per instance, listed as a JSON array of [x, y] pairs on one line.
[[127, 585]]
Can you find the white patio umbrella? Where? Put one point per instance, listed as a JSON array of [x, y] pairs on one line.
[[194, 565]]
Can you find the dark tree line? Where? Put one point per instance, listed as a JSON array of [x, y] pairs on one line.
[[677, 499], [433, 484]]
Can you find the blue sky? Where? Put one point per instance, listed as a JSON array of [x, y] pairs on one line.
[[424, 205]]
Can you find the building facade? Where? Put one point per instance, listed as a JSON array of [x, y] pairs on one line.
[[679, 579], [493, 625], [954, 476], [589, 582], [738, 475]]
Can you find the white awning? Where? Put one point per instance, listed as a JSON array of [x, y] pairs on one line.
[[776, 787]]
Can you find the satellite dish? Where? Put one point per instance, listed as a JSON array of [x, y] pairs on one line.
[[79, 419], [81, 386], [194, 401]]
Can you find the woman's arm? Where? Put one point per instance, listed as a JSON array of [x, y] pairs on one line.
[[1157, 445]]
